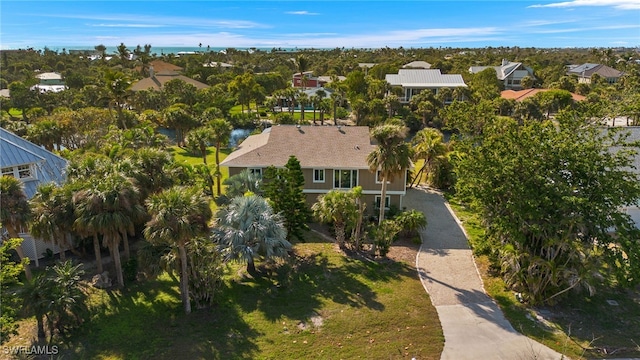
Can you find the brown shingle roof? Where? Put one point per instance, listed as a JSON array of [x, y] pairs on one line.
[[157, 81], [315, 146], [526, 93]]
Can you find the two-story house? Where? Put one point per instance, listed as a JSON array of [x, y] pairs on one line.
[[33, 165], [331, 157], [510, 73]]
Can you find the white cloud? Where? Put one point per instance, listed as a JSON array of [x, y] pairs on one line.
[[159, 21], [301, 12], [587, 29], [126, 25], [618, 4]]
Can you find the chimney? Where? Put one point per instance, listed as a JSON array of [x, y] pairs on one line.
[[151, 72], [505, 62]]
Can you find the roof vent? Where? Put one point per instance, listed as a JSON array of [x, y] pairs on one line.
[[357, 147]]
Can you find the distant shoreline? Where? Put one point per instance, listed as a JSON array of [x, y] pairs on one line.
[[162, 49]]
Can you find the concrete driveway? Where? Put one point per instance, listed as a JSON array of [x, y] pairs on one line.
[[474, 327]]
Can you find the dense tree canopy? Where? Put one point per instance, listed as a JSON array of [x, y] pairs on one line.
[[551, 196]]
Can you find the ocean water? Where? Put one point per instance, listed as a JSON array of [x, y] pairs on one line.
[[161, 50]]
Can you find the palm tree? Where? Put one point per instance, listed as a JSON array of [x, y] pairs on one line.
[[317, 100], [110, 207], [221, 129], [302, 64], [391, 157], [52, 214], [15, 213], [248, 228], [303, 100], [35, 297], [428, 146], [199, 139], [118, 85], [57, 296], [178, 214], [335, 99], [337, 207]]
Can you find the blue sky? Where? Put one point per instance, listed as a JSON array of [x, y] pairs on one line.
[[321, 24]]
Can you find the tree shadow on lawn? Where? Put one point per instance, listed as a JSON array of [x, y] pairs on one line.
[[301, 287], [147, 320]]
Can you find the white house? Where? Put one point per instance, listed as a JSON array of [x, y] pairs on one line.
[[49, 81], [414, 81]]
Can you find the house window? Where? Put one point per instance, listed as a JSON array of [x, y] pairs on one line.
[[255, 171], [318, 175], [22, 172], [387, 202], [8, 171], [345, 179], [379, 177]]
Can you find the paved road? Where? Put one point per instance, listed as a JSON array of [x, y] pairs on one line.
[[474, 327]]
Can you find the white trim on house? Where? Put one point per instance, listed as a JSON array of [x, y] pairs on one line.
[[320, 179]]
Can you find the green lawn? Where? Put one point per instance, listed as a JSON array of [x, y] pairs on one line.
[[580, 326], [361, 309]]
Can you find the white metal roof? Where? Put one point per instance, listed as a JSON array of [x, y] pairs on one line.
[[425, 78]]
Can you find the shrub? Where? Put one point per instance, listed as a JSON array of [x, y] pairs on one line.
[[411, 221], [384, 235]]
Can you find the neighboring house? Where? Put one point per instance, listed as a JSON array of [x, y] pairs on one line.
[[585, 71], [414, 81], [634, 136], [33, 165], [216, 64], [160, 66], [311, 81], [49, 81], [331, 157], [366, 67], [510, 73], [417, 65], [523, 94], [157, 80]]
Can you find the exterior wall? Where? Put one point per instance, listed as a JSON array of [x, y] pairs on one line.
[[634, 212], [370, 188], [311, 82]]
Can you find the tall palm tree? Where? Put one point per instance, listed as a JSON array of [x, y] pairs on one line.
[[117, 85], [15, 212], [302, 64], [109, 206], [336, 98], [428, 146], [178, 214], [221, 129], [53, 211], [303, 100], [248, 228], [391, 157]]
